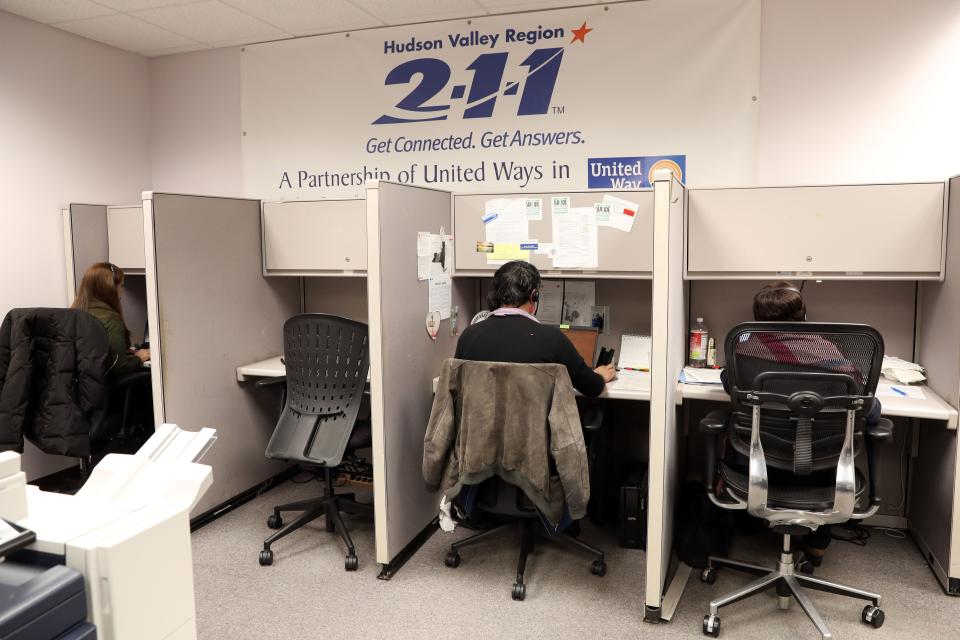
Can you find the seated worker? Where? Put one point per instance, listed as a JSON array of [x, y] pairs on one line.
[[511, 333], [99, 295], [782, 302]]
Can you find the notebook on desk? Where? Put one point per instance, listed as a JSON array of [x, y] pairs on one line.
[[635, 352]]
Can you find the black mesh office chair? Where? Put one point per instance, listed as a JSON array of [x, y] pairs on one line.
[[799, 395], [327, 359]]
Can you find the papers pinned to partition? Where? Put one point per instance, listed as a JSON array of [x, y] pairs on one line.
[[575, 239], [622, 213], [550, 306], [506, 225]]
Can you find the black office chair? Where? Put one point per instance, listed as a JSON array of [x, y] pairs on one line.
[[327, 359], [799, 395], [511, 506]]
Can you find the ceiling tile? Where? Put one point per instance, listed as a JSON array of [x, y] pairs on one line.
[[509, 6], [50, 11], [407, 11], [308, 16], [128, 6], [128, 33], [208, 22], [152, 53], [238, 42]]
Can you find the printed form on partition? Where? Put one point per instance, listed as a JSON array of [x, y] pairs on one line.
[[575, 238], [506, 223]]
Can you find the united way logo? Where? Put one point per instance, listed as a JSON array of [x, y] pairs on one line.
[[431, 88]]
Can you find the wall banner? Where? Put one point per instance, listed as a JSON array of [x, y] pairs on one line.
[[571, 99]]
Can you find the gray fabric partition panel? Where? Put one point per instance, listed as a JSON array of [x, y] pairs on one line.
[[216, 312], [890, 307], [346, 296], [629, 302], [407, 358], [933, 495], [620, 254], [88, 227], [668, 357], [938, 340]]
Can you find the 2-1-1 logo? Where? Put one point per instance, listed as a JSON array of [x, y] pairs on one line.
[[488, 69]]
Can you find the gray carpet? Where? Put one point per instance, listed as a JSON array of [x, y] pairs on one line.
[[307, 594]]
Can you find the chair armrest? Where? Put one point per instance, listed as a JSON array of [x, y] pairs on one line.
[[131, 378], [713, 425], [876, 433], [271, 382], [715, 422], [882, 431], [591, 417]]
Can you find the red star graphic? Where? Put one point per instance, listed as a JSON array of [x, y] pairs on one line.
[[581, 33]]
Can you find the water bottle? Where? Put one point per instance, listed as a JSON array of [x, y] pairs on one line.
[[699, 338]]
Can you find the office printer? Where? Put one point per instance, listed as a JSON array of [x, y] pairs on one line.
[[127, 532]]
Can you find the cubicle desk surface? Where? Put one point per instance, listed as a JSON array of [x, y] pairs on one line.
[[609, 393], [269, 368], [931, 407]]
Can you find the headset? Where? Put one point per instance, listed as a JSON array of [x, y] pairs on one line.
[[113, 272]]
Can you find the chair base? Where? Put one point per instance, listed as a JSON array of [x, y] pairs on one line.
[[530, 532], [788, 585], [330, 507]]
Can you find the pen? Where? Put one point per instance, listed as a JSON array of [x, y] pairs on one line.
[[903, 393]]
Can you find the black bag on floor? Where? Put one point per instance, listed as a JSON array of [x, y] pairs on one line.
[[701, 529]]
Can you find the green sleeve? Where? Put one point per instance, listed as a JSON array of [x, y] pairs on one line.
[[124, 360]]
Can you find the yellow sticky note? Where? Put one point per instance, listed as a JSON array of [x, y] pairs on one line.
[[508, 251]]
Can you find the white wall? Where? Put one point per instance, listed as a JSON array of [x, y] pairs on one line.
[[73, 127], [859, 90], [851, 91], [195, 123]]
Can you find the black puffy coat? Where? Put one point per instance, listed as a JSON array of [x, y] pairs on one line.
[[53, 365]]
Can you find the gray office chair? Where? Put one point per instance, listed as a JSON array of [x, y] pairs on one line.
[[327, 359], [799, 394]]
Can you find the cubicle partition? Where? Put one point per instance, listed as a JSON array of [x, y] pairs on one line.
[[403, 357], [668, 357], [210, 310], [935, 485], [84, 241], [100, 233], [883, 255], [620, 255]]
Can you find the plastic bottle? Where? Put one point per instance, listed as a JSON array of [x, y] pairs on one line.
[[699, 337], [711, 354]]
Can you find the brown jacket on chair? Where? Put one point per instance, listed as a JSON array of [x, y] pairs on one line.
[[513, 421]]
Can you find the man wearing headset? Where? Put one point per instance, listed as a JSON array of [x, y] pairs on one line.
[[512, 333]]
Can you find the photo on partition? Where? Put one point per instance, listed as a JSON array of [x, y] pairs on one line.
[[600, 318]]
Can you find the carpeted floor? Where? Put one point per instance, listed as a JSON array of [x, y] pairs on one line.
[[307, 594]]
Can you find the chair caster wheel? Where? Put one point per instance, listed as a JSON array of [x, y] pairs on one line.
[[872, 616], [275, 521], [598, 568], [452, 560], [519, 591], [805, 565], [711, 625], [266, 558], [351, 562], [708, 575]]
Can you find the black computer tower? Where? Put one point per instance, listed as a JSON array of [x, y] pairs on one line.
[[633, 508]]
